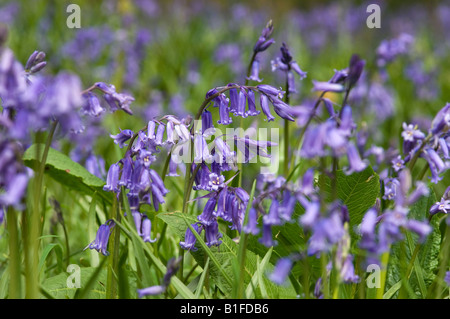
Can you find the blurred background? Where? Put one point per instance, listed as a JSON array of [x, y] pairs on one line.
[[168, 54]]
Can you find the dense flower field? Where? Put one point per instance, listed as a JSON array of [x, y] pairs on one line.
[[208, 150]]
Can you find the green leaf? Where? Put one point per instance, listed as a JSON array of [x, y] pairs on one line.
[[357, 191], [57, 286], [65, 171], [225, 254]]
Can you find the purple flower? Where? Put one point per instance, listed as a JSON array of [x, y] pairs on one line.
[[212, 234], [264, 42], [441, 121], [447, 278], [281, 271], [348, 271], [355, 69], [15, 190], [388, 50], [101, 240], [266, 238], [327, 86], [325, 233], [442, 206], [311, 215], [206, 218], [122, 137], [254, 71], [264, 102], [189, 238], [411, 133], [114, 99], [252, 111], [398, 164], [355, 162], [252, 222], [146, 230], [272, 218], [112, 179]]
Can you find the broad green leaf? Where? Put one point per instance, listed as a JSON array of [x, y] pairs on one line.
[[225, 254], [65, 171], [357, 191], [58, 287]]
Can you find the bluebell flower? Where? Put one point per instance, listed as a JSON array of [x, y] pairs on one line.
[[398, 163], [441, 121], [348, 271], [122, 137], [207, 216], [354, 159], [281, 271], [264, 102], [254, 71], [112, 179], [264, 40], [443, 206], [92, 105], [266, 238], [189, 238], [326, 232], [212, 234], [252, 222], [101, 240]]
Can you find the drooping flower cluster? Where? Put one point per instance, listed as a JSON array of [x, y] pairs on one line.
[[392, 221]]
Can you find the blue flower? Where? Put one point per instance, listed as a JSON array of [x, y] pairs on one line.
[[101, 240]]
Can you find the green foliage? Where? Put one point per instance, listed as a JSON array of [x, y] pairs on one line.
[[65, 171], [224, 254], [358, 191]]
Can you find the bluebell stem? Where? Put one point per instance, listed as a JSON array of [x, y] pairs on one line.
[[172, 267], [101, 240]]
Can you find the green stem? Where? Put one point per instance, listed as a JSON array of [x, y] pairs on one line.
[[286, 134], [383, 274], [113, 267], [14, 255], [33, 224]]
